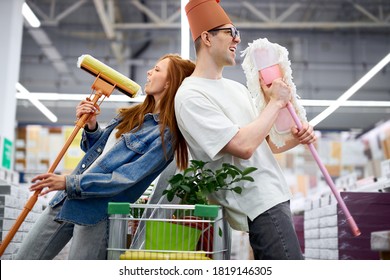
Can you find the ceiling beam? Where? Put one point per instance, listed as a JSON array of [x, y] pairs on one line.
[[145, 10], [264, 26], [108, 27]]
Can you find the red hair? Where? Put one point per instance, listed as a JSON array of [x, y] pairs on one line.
[[133, 117]]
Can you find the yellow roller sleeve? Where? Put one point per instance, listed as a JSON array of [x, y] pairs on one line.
[[96, 67]]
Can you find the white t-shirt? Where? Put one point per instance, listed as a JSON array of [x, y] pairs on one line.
[[209, 114]]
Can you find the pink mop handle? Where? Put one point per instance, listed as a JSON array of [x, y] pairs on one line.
[[350, 220]]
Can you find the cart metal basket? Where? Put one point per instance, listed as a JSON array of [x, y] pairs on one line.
[[167, 232]]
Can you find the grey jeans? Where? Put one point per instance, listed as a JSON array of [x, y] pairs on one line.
[[272, 235], [48, 237]]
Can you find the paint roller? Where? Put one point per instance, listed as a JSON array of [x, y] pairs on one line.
[[109, 75], [267, 59], [106, 81]]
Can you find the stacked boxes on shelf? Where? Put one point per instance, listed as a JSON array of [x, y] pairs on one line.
[[380, 242], [311, 229], [320, 228], [385, 169], [32, 148], [36, 147], [328, 228], [12, 200]]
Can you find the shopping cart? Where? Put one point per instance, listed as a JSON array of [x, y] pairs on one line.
[[167, 232]]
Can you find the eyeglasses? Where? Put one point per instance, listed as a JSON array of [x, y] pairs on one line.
[[233, 31]]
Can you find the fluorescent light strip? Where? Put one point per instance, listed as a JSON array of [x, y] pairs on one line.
[[351, 91], [30, 16], [185, 32], [48, 96], [25, 94], [347, 103]]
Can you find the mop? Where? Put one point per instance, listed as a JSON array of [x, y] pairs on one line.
[[271, 61], [106, 81]]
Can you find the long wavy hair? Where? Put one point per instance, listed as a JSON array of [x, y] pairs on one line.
[[133, 117]]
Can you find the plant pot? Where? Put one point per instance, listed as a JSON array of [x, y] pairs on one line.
[[171, 236]]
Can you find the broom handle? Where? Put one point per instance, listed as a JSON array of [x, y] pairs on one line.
[[328, 179], [33, 199]]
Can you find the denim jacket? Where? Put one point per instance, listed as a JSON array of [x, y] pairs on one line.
[[121, 175]]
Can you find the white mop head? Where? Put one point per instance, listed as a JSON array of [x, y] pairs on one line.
[[252, 77]]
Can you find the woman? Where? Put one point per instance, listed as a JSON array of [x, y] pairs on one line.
[[121, 161]]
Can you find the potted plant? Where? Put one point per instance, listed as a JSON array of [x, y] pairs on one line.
[[197, 182], [193, 187]]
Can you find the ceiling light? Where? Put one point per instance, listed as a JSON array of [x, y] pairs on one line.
[[347, 103], [30, 16], [351, 91], [25, 94], [51, 96], [40, 36]]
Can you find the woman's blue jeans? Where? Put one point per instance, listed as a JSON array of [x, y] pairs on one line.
[[272, 235], [48, 237]]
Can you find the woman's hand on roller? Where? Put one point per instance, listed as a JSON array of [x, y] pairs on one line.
[[87, 107]]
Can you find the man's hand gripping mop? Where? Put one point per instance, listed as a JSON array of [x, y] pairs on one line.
[[270, 60], [106, 81]]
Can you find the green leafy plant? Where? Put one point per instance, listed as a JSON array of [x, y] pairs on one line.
[[197, 182]]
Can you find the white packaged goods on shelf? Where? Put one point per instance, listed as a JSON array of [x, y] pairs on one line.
[[347, 181], [316, 203], [385, 169], [308, 205], [20, 155], [328, 199], [8, 177], [329, 210], [6, 224], [311, 224], [13, 198], [312, 253], [328, 228], [20, 143], [311, 214], [328, 232], [312, 243], [329, 221], [380, 241], [8, 201], [10, 213], [381, 185], [320, 228], [328, 254], [311, 229], [328, 243], [3, 176], [313, 233]]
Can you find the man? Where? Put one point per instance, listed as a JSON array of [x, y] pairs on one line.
[[221, 124]]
